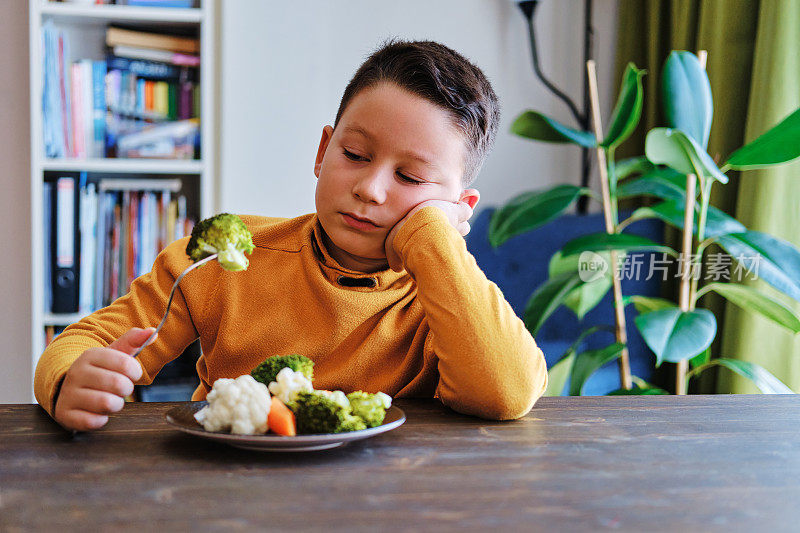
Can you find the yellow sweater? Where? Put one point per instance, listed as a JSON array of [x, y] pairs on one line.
[[439, 328]]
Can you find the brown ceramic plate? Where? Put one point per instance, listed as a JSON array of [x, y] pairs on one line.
[[182, 419]]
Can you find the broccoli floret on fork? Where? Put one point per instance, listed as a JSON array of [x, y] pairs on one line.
[[223, 237]]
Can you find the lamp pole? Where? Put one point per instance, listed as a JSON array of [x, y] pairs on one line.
[[528, 8]]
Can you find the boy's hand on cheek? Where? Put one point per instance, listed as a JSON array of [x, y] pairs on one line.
[[458, 213]]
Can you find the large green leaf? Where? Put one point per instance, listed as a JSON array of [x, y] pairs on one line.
[[547, 298], [558, 374], [631, 166], [778, 145], [761, 377], [701, 358], [664, 146], [717, 221], [510, 205], [777, 261], [664, 183], [530, 210], [676, 335], [586, 363], [539, 127], [628, 109], [646, 304], [686, 95], [752, 299], [585, 296], [600, 242]]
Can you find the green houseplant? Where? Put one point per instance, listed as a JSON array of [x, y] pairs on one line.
[[675, 160]]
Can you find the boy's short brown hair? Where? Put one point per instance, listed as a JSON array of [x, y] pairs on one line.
[[444, 77]]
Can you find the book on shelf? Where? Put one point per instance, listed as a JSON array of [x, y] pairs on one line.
[[91, 106], [51, 332], [116, 36], [151, 69], [65, 245], [160, 56], [144, 3], [113, 236]]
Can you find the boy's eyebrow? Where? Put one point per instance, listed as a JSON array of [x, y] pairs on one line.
[[361, 131]]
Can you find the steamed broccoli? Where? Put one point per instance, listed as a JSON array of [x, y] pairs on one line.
[[225, 235], [267, 371], [316, 412], [370, 407]]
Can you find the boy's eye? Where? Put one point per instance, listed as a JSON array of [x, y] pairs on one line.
[[353, 157], [408, 179]]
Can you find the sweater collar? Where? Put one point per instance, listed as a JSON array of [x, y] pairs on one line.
[[345, 277]]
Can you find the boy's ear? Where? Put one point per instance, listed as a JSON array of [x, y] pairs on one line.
[[327, 133], [470, 196]]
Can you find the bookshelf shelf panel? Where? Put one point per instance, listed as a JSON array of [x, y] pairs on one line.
[[84, 28], [115, 13], [63, 319], [142, 166]]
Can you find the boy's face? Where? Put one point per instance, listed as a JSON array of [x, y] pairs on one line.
[[391, 151]]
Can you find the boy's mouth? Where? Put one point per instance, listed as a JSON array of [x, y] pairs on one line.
[[358, 222]]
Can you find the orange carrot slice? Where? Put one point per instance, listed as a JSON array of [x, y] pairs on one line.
[[281, 419]]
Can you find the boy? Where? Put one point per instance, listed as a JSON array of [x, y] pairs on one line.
[[376, 287]]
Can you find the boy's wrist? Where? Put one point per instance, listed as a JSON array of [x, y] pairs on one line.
[[418, 218]]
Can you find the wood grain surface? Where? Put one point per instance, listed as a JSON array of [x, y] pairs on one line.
[[657, 463]]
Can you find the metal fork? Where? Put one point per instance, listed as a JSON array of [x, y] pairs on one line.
[[169, 302]]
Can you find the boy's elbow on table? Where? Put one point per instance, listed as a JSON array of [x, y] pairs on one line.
[[500, 399]]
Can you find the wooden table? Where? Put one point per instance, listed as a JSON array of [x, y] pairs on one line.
[[690, 463]]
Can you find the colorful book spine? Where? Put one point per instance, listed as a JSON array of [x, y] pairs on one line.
[[77, 134], [152, 70], [99, 70]]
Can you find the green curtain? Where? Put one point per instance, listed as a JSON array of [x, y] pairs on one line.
[[755, 76]]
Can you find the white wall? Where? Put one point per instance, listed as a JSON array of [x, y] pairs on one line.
[[15, 271], [285, 65]]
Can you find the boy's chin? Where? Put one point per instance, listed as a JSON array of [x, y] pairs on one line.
[[350, 249]]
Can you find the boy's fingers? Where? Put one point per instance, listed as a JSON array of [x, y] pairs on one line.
[[131, 340], [97, 402], [119, 362], [81, 420], [464, 211], [105, 380]]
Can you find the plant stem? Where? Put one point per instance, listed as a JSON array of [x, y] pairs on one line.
[[700, 294], [612, 187], [705, 199], [693, 372], [625, 223]]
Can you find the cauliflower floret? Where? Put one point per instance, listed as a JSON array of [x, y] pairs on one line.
[[288, 383], [240, 405], [337, 396], [385, 399]]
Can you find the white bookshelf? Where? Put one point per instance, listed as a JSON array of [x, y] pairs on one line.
[[85, 27]]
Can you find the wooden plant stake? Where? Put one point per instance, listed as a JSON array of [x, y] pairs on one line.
[[686, 296], [686, 271], [619, 308]]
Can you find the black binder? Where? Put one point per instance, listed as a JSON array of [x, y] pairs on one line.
[[65, 244]]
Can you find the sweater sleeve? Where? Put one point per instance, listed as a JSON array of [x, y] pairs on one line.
[[143, 306], [489, 364]]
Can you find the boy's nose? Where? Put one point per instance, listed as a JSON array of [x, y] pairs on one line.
[[371, 188]]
